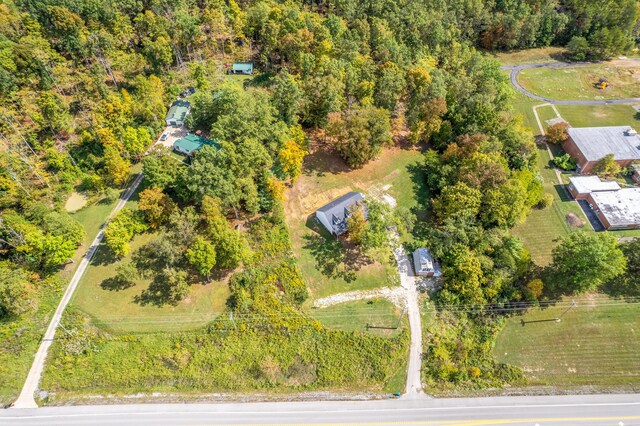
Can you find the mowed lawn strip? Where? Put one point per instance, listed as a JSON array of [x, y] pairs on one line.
[[577, 83], [354, 316], [595, 344], [543, 226], [19, 340], [325, 178]]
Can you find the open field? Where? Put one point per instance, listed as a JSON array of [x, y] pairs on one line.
[[354, 316], [322, 260], [599, 115], [577, 83], [118, 310], [541, 55], [595, 344], [543, 226]]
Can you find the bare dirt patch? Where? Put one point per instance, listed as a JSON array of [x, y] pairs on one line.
[[76, 201], [574, 220]]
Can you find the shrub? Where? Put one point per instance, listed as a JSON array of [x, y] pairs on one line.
[[565, 162], [546, 201]]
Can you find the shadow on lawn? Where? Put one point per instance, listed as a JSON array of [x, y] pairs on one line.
[[320, 162], [116, 284], [335, 258]]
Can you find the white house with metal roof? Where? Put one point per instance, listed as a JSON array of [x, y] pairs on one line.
[[333, 216], [424, 264]]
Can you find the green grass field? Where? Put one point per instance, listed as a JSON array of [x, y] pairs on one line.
[[598, 115], [577, 83], [596, 344], [322, 260], [118, 311], [543, 226], [354, 316]]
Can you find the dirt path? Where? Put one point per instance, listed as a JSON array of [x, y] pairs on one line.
[[396, 296], [408, 283]]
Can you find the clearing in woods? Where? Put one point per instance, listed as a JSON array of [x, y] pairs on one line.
[[327, 267]]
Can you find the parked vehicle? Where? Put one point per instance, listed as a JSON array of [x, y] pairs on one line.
[[164, 136]]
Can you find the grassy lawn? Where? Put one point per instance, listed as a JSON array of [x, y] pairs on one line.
[[541, 55], [354, 316], [598, 115], [596, 344], [325, 266], [523, 105], [118, 310], [543, 226], [576, 83]]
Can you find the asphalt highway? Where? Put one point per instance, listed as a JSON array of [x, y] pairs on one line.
[[591, 410]]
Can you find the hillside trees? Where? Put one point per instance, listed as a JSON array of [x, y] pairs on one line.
[[359, 135]]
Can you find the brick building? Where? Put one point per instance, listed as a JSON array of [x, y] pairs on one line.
[[616, 207], [588, 145], [581, 186]]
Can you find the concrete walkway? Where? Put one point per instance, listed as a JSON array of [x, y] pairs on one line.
[[515, 70]]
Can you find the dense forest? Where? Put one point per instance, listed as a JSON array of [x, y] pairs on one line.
[[85, 86]]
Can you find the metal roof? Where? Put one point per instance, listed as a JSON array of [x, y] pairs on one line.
[[588, 184], [338, 210], [242, 66], [597, 142], [621, 208], [192, 143], [178, 110]]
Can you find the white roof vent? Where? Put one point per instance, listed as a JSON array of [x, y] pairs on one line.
[[630, 132]]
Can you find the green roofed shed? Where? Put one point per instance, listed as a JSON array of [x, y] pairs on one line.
[[242, 68], [178, 112], [191, 143]]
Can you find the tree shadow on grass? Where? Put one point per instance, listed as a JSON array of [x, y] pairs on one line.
[[320, 162], [335, 258], [103, 256], [157, 294], [116, 284]]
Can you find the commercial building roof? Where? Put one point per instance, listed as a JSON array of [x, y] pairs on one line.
[[179, 110], [620, 208], [192, 143], [597, 142], [588, 184]]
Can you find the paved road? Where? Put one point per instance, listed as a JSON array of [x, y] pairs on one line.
[[515, 70], [593, 410]]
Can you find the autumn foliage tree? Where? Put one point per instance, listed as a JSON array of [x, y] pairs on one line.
[[359, 135], [557, 133]]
